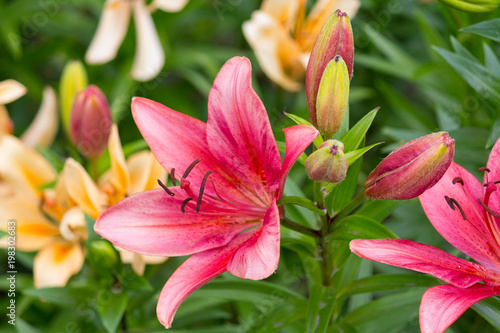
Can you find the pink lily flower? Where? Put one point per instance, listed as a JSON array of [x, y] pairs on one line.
[[466, 213], [222, 208]]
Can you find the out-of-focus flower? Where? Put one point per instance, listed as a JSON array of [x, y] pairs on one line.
[[90, 122], [43, 129], [73, 80], [467, 214], [333, 97], [412, 168], [328, 163], [149, 56], [224, 210], [283, 38]]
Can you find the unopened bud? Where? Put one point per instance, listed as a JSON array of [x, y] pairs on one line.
[[90, 122], [334, 39], [73, 80], [103, 254], [333, 97], [412, 168], [328, 163], [473, 6]]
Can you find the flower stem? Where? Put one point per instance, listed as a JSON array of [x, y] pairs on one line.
[[299, 228], [355, 203]]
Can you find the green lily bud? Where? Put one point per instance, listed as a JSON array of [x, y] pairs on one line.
[[73, 80], [328, 163], [473, 6], [90, 122], [333, 97], [102, 255], [412, 168]]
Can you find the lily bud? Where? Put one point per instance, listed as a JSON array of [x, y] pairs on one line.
[[90, 122], [473, 6], [328, 163], [333, 97], [73, 80], [334, 39], [412, 168]]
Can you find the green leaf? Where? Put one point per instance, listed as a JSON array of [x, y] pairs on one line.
[[61, 295], [386, 282], [495, 134], [386, 314], [357, 133], [491, 61], [378, 210], [24, 327], [319, 308], [215, 329], [278, 316], [489, 309], [111, 307], [342, 194], [358, 226], [301, 121], [489, 29], [353, 155], [303, 202]]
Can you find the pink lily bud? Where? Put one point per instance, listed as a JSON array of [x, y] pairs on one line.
[[334, 39], [412, 168], [328, 163], [333, 97], [90, 122]]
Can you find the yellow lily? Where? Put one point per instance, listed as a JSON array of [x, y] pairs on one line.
[[282, 36]]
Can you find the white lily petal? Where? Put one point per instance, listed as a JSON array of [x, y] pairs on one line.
[[6, 124], [43, 128], [283, 11], [54, 265], [149, 57], [72, 226], [10, 90], [110, 33], [168, 5]]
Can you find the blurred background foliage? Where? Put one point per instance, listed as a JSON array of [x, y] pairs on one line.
[[417, 60]]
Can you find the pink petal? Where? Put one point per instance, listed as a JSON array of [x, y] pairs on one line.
[[258, 257], [239, 134], [421, 258], [152, 223], [494, 163], [176, 141], [469, 236], [442, 305], [297, 139], [192, 274]]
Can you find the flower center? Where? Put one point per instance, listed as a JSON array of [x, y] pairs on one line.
[[185, 185]]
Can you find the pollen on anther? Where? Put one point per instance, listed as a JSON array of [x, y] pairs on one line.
[[190, 168], [172, 176], [184, 203], [202, 189], [454, 203], [458, 180], [163, 186], [484, 169]]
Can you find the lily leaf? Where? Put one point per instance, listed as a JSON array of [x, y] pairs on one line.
[[489, 29], [111, 307], [319, 308], [352, 156], [301, 121], [357, 133], [303, 202], [357, 226], [489, 309]]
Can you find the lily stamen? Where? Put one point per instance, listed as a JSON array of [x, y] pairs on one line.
[[190, 168], [172, 176], [163, 186], [488, 209], [458, 180], [184, 203], [453, 203], [202, 189]]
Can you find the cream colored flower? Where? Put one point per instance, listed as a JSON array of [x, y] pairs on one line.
[[282, 36], [149, 56]]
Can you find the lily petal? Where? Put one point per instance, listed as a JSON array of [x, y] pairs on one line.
[[169, 5], [144, 172], [10, 90], [149, 56], [297, 139], [139, 261], [82, 189], [54, 265], [165, 132], [152, 223], [6, 124], [283, 11], [494, 163], [469, 236], [43, 129], [110, 32], [442, 305], [421, 258], [259, 256], [239, 134], [196, 271], [278, 54]]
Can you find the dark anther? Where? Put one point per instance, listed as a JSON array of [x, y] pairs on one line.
[[202, 188], [488, 209], [190, 167], [483, 169], [453, 203], [172, 176], [458, 180], [163, 186], [184, 203]]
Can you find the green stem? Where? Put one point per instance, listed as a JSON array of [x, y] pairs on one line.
[[355, 203], [325, 247], [299, 228]]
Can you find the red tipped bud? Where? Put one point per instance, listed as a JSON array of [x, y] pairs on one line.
[[90, 122], [334, 39], [328, 163], [412, 168]]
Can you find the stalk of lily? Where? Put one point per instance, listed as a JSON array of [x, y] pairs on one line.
[[467, 214], [227, 176]]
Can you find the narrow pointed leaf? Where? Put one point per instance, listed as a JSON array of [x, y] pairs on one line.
[[489, 29], [357, 226], [319, 308], [303, 202], [357, 133], [111, 308]]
